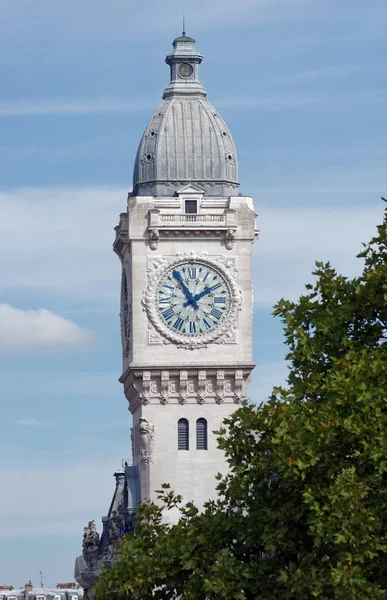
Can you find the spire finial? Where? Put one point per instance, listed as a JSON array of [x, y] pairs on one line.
[[183, 24]]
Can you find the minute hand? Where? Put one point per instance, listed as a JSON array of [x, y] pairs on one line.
[[186, 291]]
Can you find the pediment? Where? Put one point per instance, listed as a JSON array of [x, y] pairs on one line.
[[190, 189]]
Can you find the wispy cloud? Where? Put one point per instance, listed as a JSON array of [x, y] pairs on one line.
[[318, 190], [24, 330], [41, 107], [31, 422], [73, 106], [64, 383], [331, 71], [297, 99]]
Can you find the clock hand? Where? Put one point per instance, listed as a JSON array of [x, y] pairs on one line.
[[200, 295], [186, 291]]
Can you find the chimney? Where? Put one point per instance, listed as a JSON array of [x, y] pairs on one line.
[[28, 588]]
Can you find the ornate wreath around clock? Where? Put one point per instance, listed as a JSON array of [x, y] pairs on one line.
[[192, 299]]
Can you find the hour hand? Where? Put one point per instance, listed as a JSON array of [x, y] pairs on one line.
[[206, 291], [190, 298]]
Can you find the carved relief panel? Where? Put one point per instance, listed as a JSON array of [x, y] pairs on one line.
[[126, 308]]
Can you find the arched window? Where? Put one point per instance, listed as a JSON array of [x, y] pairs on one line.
[[201, 434], [183, 435]]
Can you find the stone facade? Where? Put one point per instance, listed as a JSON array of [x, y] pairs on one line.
[[186, 157]]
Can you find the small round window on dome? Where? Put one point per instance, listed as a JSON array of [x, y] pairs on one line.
[[148, 156], [152, 133], [224, 133], [229, 157]]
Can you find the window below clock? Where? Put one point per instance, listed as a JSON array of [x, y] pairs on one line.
[[183, 434], [191, 206]]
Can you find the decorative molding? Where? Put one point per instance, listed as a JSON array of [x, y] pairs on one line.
[[121, 242], [185, 386], [238, 387], [164, 387], [229, 239], [202, 388], [220, 391], [225, 265], [154, 236], [153, 336]]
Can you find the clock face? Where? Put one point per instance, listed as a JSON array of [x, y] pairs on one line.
[[193, 299], [185, 70]]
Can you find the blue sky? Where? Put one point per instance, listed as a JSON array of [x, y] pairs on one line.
[[300, 83]]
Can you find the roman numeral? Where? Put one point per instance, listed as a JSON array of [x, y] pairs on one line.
[[192, 273], [216, 313], [207, 274], [192, 327], [164, 301], [207, 324], [215, 287], [170, 287], [220, 300], [168, 314], [178, 324]]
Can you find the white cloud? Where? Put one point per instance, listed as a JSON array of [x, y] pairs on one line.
[[34, 329], [31, 422], [65, 242], [292, 239]]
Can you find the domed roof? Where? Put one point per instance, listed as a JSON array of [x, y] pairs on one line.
[[186, 140]]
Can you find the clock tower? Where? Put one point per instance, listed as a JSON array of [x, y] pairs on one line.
[[186, 289]]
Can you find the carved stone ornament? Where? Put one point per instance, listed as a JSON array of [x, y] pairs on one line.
[[90, 544], [146, 439], [229, 239], [116, 523], [157, 267], [154, 236]]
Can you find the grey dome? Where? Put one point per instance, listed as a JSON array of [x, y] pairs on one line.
[[186, 140]]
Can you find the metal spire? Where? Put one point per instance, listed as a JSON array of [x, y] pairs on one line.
[[183, 24]]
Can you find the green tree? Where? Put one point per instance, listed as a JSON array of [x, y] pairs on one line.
[[303, 511]]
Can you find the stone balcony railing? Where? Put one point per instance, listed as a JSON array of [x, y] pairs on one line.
[[191, 220]]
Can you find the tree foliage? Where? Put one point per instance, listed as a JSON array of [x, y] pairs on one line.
[[303, 511]]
